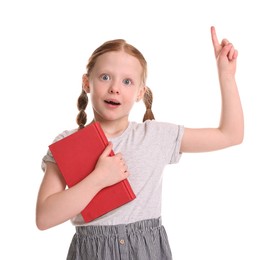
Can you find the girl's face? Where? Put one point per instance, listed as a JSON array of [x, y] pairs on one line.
[[115, 84]]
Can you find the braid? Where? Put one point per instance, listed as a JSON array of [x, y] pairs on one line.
[[148, 101], [82, 102]]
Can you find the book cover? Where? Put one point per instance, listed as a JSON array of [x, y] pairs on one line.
[[76, 156]]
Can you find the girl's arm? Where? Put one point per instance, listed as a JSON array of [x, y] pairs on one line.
[[55, 204], [231, 128]]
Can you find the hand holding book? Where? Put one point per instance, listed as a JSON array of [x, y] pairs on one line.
[[78, 155], [110, 169]]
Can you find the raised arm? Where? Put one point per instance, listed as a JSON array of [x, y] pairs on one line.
[[231, 128]]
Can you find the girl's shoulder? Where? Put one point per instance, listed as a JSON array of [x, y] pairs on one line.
[[154, 125], [64, 134], [156, 129]]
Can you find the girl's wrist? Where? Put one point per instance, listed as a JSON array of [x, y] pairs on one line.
[[227, 76], [96, 181]]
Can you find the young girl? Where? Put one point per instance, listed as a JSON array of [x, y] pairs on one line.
[[115, 80]]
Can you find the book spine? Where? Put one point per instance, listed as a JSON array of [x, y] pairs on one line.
[[102, 136], [105, 141]]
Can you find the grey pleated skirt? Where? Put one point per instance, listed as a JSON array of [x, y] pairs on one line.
[[142, 240]]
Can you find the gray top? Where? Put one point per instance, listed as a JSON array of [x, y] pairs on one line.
[[147, 148]]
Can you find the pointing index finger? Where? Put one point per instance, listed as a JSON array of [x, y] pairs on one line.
[[214, 37]]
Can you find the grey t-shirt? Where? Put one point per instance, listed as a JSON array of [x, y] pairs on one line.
[[147, 148]]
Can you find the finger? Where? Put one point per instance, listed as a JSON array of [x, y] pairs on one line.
[[226, 51], [214, 38], [119, 156], [107, 150], [235, 54], [225, 42], [231, 53], [126, 174]]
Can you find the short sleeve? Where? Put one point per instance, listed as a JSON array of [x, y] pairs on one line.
[[176, 154], [49, 157]]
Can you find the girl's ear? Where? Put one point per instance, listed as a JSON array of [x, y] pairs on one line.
[[85, 83], [141, 93]]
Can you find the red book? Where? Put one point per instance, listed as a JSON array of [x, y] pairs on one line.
[[76, 156]]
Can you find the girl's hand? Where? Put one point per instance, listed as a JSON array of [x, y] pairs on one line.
[[110, 169], [225, 54]]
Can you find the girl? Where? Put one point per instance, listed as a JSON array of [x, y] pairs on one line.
[[115, 80]]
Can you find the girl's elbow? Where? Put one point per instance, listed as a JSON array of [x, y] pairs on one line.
[[42, 223], [238, 139]]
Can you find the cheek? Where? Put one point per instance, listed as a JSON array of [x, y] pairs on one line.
[[94, 94], [133, 96], [95, 89]]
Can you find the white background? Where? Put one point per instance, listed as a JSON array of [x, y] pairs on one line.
[[217, 205]]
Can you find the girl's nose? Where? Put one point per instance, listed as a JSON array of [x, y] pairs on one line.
[[114, 88]]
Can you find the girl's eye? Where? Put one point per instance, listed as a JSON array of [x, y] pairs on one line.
[[105, 77], [127, 81]]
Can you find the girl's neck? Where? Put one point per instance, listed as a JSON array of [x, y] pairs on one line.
[[113, 128]]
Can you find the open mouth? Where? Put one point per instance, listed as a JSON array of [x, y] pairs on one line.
[[112, 102]]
